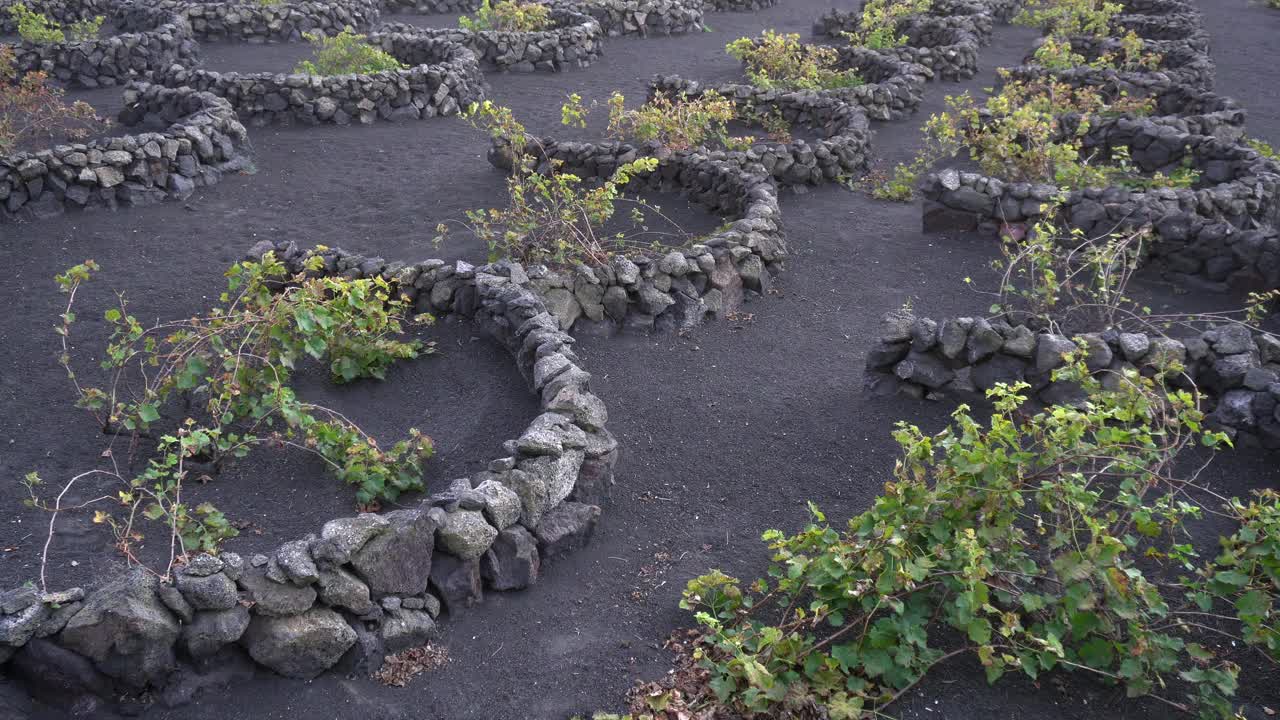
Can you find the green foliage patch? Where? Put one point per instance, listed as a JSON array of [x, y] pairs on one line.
[[347, 53], [779, 60], [508, 16], [213, 387]]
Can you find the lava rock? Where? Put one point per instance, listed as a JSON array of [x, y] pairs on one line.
[[299, 646]]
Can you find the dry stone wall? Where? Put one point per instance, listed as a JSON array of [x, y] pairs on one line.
[[201, 140], [640, 17], [443, 77], [574, 41], [155, 40], [846, 135], [361, 586], [1237, 370], [284, 21], [681, 287]]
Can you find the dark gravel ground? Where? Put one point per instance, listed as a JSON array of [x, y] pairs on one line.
[[725, 431]]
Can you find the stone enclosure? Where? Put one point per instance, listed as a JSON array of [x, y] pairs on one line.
[[371, 584], [367, 585]]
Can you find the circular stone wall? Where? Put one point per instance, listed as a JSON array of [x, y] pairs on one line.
[[372, 582], [202, 141], [443, 77], [575, 40], [154, 40]]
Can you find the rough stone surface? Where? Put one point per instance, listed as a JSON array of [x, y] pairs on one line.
[[299, 646], [211, 630], [512, 562], [566, 527], [126, 630]]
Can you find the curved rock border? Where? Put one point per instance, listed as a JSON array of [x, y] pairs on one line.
[[431, 7], [841, 152], [640, 293], [283, 21], [155, 41], [575, 40], [203, 141], [738, 5], [64, 12], [1237, 371], [947, 45], [1183, 65], [364, 585], [972, 18], [892, 88], [640, 17], [1238, 186], [443, 78]]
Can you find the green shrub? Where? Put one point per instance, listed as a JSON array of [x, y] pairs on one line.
[[35, 27], [508, 16], [1021, 544], [31, 106], [227, 374], [878, 25], [551, 216], [85, 29], [346, 53], [777, 60], [1067, 18], [1245, 577], [675, 123]]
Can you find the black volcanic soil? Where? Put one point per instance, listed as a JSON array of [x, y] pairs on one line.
[[725, 431]]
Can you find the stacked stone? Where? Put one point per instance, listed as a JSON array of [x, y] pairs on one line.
[[1237, 371], [1182, 66], [1238, 189], [640, 17], [1217, 235], [431, 7], [947, 45], [202, 141], [892, 88], [284, 21], [575, 40], [164, 39], [960, 15], [841, 153], [64, 12], [738, 5], [375, 583], [443, 78], [641, 292]]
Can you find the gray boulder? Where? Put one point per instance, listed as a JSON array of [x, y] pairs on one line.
[[566, 527], [126, 630], [1049, 351], [404, 628], [1134, 346], [348, 535], [398, 561], [925, 370], [207, 592], [1021, 342], [341, 589], [512, 562], [294, 558], [274, 598], [466, 534], [299, 646], [456, 582], [983, 341], [211, 630], [501, 504]]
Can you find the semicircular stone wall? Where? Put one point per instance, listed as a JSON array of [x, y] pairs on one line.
[[361, 586]]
